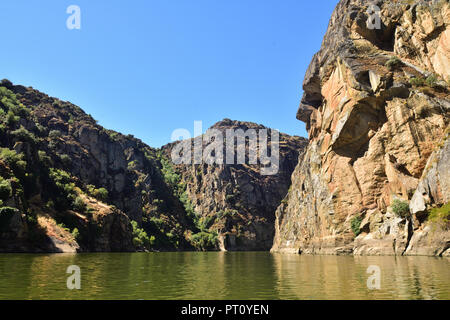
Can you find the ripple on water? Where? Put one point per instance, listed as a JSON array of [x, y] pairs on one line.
[[219, 275]]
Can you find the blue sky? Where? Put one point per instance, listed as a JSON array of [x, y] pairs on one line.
[[148, 67]]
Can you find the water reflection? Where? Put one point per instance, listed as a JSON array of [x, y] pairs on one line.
[[338, 277], [219, 275]]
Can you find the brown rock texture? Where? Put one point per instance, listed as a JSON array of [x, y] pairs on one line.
[[237, 201], [61, 154], [376, 105]]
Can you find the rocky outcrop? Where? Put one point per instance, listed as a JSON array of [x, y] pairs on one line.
[[376, 105], [371, 180], [237, 200], [432, 236], [69, 185], [61, 171]]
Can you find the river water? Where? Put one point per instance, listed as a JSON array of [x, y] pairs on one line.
[[222, 275]]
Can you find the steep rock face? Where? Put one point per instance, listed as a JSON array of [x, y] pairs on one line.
[[432, 237], [52, 153], [236, 200], [376, 105], [69, 185]]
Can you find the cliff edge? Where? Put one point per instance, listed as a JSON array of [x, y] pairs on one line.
[[374, 178]]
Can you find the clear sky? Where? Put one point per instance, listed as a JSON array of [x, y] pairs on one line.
[[148, 67]]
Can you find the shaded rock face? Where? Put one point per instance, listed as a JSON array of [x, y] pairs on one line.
[[376, 105], [57, 135], [237, 200], [69, 185]]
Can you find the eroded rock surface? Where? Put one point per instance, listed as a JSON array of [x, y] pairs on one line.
[[236, 200], [52, 153], [376, 104]]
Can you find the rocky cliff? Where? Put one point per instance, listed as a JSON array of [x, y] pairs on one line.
[[374, 177], [69, 185], [237, 201]]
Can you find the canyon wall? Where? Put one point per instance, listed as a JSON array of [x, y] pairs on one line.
[[237, 201], [374, 178], [69, 185]]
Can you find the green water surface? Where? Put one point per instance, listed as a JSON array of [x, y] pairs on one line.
[[220, 275]]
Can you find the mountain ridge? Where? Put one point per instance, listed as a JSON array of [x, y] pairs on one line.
[[90, 188]]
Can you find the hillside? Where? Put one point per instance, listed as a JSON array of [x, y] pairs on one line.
[[69, 185], [237, 200]]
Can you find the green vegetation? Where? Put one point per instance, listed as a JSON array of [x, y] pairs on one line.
[[173, 180], [65, 159], [8, 98], [441, 216], [418, 82], [169, 173], [63, 226], [132, 165], [45, 160], [13, 159], [140, 237], [42, 131], [54, 134], [62, 189], [79, 205], [355, 225], [205, 223], [12, 107], [12, 119], [113, 135], [158, 222], [5, 189], [204, 240], [400, 208], [100, 194], [430, 81], [76, 234], [227, 213], [19, 178], [23, 134], [393, 63]]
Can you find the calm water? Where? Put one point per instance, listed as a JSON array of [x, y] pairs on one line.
[[219, 275]]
